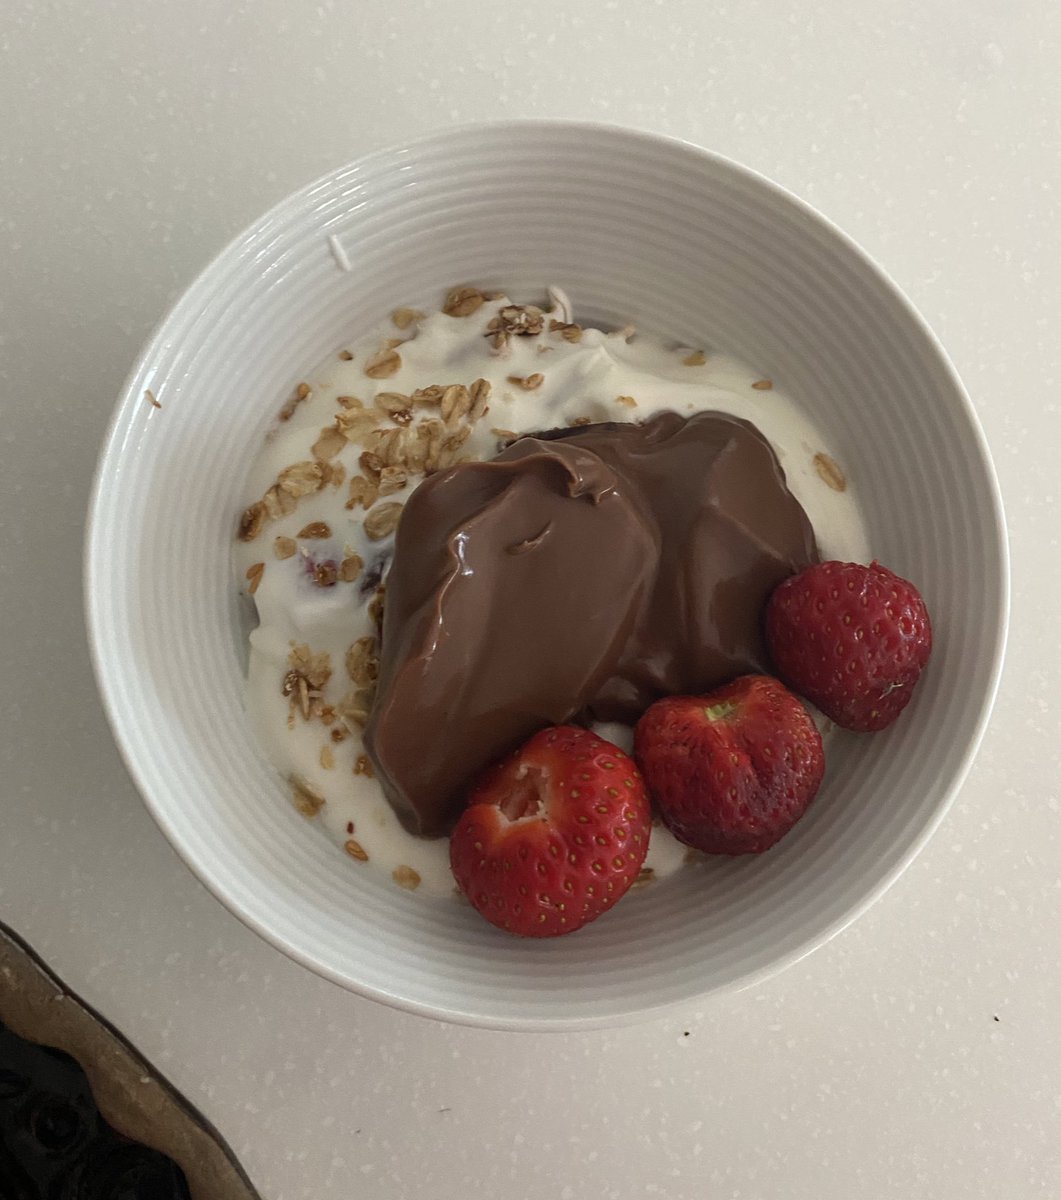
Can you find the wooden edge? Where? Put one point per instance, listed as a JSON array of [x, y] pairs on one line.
[[132, 1096]]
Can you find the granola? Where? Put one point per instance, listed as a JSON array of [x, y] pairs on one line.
[[383, 364], [463, 301], [362, 661], [350, 568], [829, 471], [528, 383], [354, 441], [254, 575], [406, 877], [355, 850], [404, 317], [382, 521], [306, 799]]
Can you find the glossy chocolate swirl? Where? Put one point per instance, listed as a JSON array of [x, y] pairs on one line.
[[579, 575]]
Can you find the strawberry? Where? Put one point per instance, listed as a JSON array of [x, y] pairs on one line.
[[734, 770], [553, 835], [852, 639]]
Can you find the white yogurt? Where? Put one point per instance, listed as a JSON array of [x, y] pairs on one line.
[[582, 380]]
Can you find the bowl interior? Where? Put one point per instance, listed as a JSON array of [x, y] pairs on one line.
[[636, 229]]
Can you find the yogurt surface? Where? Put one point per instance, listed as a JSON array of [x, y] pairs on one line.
[[313, 558]]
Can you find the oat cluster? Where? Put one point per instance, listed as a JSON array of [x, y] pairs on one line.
[[298, 480], [303, 684]]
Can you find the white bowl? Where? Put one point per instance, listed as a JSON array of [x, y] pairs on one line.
[[636, 228]]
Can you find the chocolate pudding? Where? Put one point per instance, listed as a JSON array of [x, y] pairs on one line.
[[579, 575]]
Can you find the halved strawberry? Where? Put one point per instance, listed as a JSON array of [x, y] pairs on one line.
[[734, 770], [553, 835]]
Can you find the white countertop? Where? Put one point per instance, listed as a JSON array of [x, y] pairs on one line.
[[919, 1053]]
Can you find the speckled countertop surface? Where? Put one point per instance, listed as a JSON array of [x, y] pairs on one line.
[[918, 1054]]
